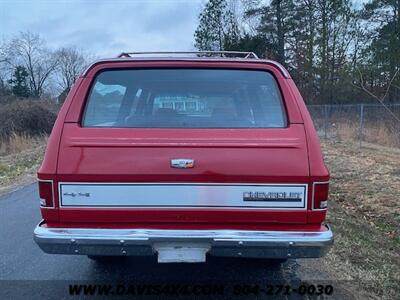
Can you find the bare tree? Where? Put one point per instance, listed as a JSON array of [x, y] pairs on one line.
[[71, 62], [382, 98], [30, 51], [3, 69]]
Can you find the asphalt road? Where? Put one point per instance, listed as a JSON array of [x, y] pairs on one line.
[[26, 272]]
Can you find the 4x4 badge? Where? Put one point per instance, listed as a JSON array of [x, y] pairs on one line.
[[182, 163]]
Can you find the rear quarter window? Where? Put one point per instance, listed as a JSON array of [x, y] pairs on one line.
[[184, 98]]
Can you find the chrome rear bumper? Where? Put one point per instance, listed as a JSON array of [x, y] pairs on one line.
[[233, 243]]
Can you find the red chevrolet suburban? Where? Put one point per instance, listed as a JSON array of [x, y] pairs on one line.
[[181, 156]]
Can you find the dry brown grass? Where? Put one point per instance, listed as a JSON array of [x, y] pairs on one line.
[[26, 117], [365, 214], [20, 157], [19, 143], [379, 134], [382, 135]]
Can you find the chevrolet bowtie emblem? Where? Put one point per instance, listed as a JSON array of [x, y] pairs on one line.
[[182, 163]]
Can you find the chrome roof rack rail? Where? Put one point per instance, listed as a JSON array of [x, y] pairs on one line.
[[237, 54]]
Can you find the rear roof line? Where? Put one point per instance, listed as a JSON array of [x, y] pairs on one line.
[[123, 58]]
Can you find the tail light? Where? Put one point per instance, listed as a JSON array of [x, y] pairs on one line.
[[46, 193], [320, 195]]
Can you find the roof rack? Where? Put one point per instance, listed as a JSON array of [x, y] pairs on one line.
[[238, 54]]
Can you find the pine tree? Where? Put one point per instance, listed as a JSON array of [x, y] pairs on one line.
[[276, 22], [335, 26], [19, 82], [217, 29], [383, 52], [325, 44]]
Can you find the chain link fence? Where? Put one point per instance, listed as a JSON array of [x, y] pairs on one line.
[[370, 123]]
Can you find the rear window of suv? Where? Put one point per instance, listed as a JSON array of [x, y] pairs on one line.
[[185, 98]]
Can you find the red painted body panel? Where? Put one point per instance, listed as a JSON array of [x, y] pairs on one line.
[[286, 155], [318, 170], [184, 215], [221, 155]]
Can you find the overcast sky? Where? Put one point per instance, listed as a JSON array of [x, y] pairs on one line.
[[105, 28]]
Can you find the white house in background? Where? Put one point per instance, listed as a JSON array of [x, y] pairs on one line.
[[181, 103]]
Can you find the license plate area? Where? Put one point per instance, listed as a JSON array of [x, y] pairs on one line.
[[181, 252]]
